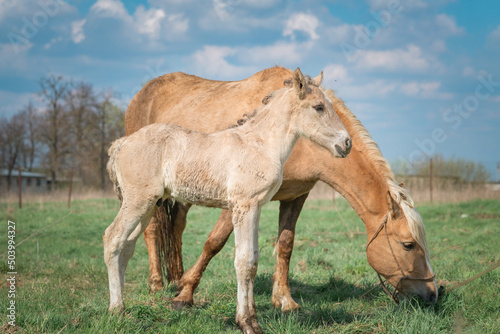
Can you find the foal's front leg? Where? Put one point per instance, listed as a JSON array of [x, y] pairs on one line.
[[246, 226], [289, 213]]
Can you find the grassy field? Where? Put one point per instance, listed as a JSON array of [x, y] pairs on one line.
[[62, 285]]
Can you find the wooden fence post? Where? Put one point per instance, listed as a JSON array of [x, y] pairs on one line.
[[70, 186], [20, 186], [430, 179]]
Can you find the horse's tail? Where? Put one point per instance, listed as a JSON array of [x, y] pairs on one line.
[[165, 217], [111, 166]]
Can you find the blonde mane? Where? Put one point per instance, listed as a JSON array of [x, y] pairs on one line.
[[372, 151]]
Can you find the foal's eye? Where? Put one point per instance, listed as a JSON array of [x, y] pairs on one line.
[[408, 246], [319, 108]]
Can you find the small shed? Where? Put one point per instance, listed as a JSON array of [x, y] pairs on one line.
[[30, 182]]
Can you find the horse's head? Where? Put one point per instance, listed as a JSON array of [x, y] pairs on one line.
[[398, 251], [317, 119]]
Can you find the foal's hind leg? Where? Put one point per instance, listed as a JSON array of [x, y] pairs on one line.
[[119, 242], [289, 213]]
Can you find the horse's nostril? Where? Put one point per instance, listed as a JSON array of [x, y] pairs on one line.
[[432, 297], [348, 145]]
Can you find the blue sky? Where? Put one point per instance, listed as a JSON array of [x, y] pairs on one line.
[[423, 77]]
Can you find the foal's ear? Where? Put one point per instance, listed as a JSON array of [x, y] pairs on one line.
[[394, 207], [300, 84], [318, 80]]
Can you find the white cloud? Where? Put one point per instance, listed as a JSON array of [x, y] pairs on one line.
[[404, 5], [211, 62], [149, 21], [471, 72], [52, 42], [439, 46], [427, 90], [77, 34], [399, 59], [493, 39], [306, 23], [14, 57], [280, 53], [375, 89], [178, 24], [152, 22], [335, 73], [109, 8], [340, 33], [449, 25]]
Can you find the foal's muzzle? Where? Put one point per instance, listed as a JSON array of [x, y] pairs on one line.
[[347, 145]]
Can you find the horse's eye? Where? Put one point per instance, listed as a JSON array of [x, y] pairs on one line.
[[408, 246], [319, 108]]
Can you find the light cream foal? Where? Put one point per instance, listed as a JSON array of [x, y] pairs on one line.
[[239, 169]]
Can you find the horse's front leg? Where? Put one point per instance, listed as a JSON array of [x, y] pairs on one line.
[[215, 242], [245, 219], [289, 213]]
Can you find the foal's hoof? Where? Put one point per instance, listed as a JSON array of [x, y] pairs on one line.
[[249, 326], [116, 309], [178, 304]]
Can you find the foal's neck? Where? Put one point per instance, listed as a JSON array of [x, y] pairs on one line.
[[272, 127]]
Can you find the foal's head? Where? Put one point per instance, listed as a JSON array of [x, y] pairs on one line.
[[398, 250], [316, 117]]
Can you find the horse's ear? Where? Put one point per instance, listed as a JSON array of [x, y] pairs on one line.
[[394, 207], [299, 83], [318, 80]]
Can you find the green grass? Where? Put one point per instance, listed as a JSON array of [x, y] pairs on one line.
[[64, 286]]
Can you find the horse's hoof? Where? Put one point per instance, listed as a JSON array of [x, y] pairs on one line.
[[285, 304], [180, 304], [155, 285]]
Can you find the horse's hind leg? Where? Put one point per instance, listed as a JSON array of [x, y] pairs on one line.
[[152, 237], [289, 213], [119, 242], [191, 278]]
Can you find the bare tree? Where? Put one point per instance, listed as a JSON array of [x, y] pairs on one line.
[[110, 126], [81, 104], [54, 124], [12, 138], [31, 140]]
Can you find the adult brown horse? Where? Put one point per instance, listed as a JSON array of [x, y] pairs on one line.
[[397, 247]]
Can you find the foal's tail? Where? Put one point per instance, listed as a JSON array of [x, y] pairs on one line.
[[111, 166]]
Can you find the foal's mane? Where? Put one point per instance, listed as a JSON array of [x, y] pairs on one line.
[[372, 151], [268, 98]]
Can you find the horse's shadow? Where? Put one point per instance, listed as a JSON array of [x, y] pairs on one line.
[[322, 301]]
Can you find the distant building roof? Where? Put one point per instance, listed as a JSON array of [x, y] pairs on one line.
[[5, 172]]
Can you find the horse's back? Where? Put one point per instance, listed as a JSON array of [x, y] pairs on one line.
[[200, 104]]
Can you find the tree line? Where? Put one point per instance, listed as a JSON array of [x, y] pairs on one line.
[[70, 129], [457, 170]]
